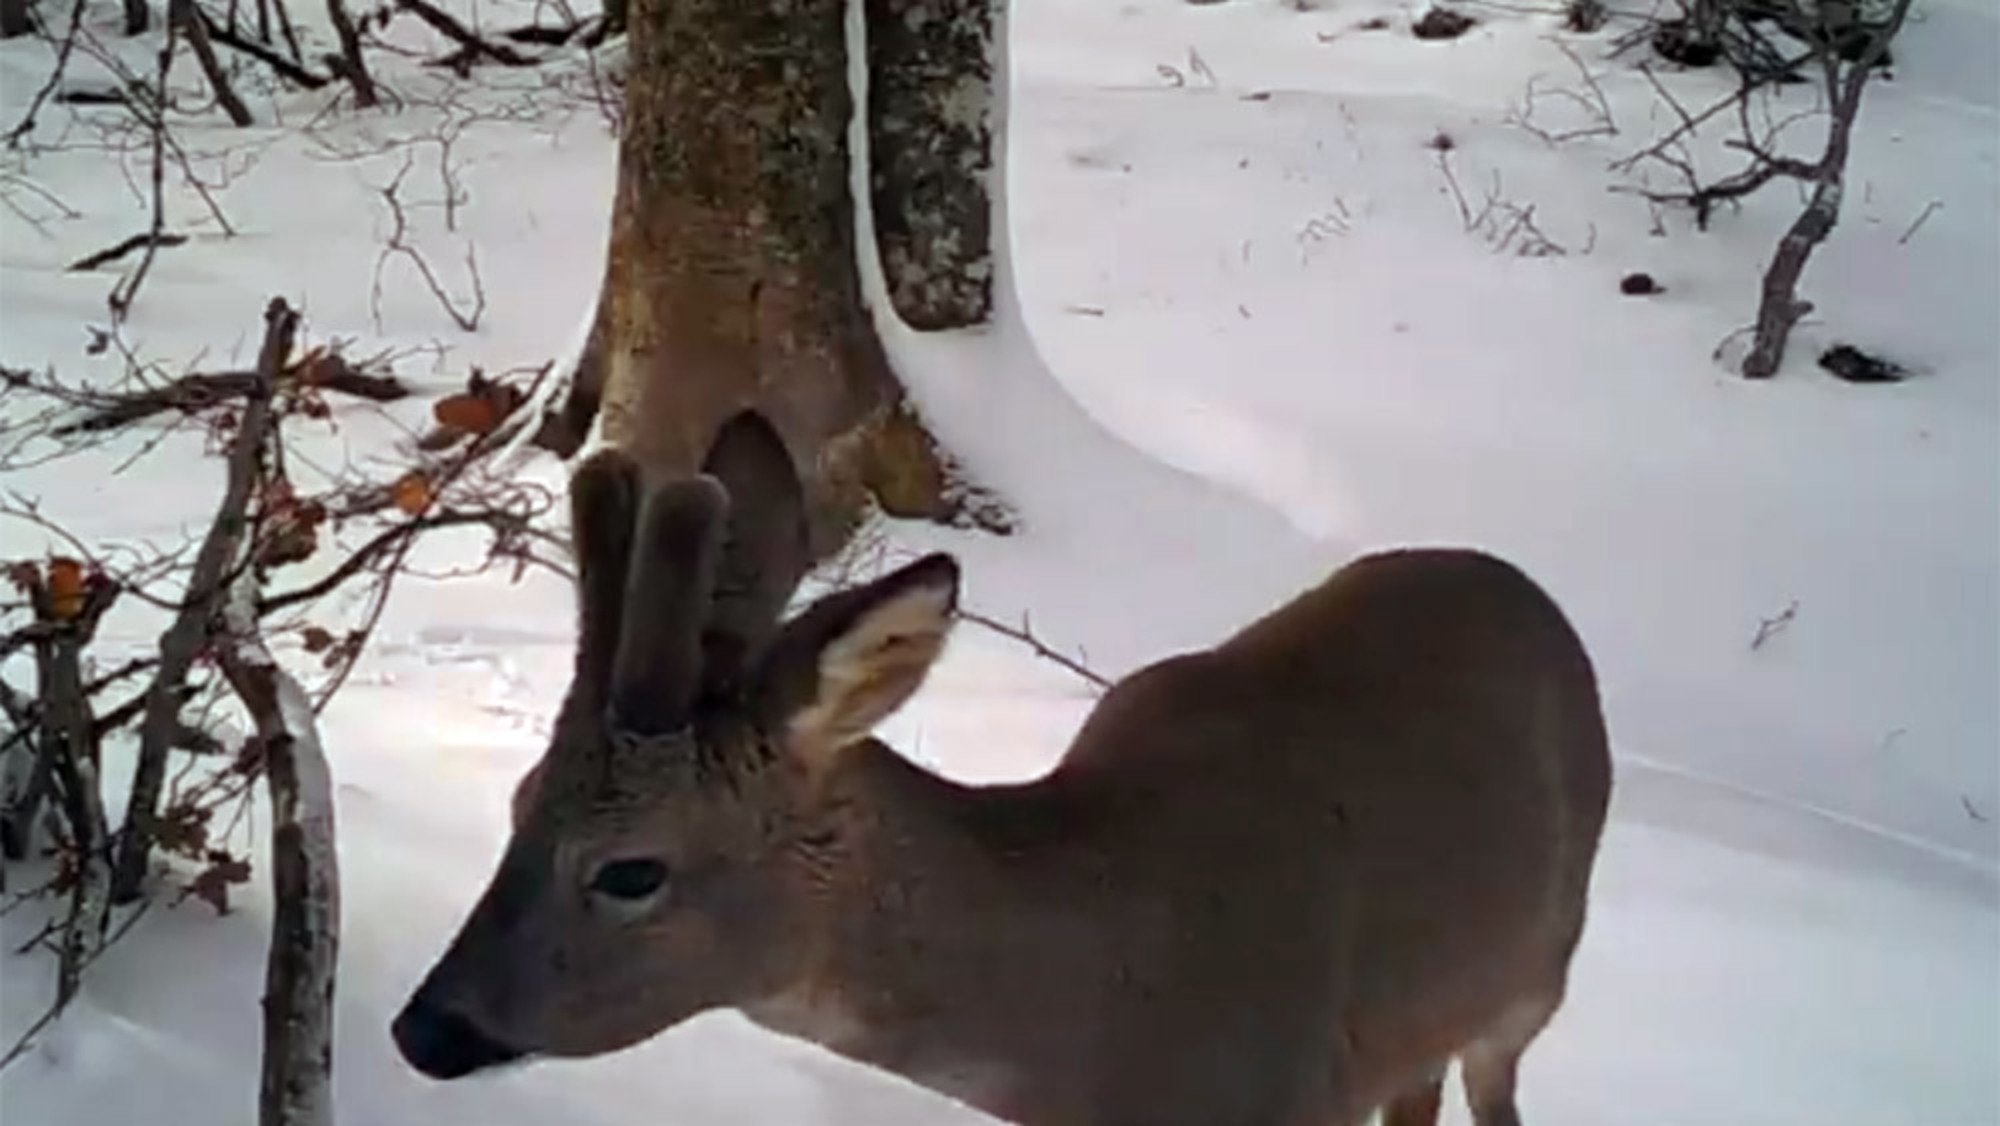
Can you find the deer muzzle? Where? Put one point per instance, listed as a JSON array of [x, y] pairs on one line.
[[445, 1045]]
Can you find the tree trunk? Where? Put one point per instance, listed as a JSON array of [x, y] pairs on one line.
[[193, 25], [732, 281], [1779, 308], [930, 157], [300, 968], [349, 63]]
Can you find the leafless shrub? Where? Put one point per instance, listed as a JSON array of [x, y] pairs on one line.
[[1843, 66], [1585, 104], [398, 245], [1505, 225]]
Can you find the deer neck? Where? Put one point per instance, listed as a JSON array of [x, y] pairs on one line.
[[931, 915]]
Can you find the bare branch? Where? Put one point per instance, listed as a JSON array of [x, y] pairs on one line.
[[127, 290], [287, 69], [221, 548], [1771, 627], [194, 25], [466, 320], [1917, 224], [27, 123], [1596, 107], [443, 23], [200, 390], [1024, 634], [110, 254], [48, 1017]]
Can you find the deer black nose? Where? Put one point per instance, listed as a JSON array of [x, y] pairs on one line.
[[444, 1045]]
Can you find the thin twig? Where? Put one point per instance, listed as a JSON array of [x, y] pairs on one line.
[[1596, 105], [127, 290], [1771, 627], [1026, 636], [27, 1037], [27, 123], [467, 320], [1922, 217]]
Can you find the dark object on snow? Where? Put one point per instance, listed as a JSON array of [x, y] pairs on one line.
[[1442, 23], [1584, 16], [16, 18], [543, 35], [1373, 23], [1639, 285], [1849, 363], [1679, 42], [91, 96]]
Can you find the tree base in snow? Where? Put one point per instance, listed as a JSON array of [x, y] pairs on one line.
[[896, 465]]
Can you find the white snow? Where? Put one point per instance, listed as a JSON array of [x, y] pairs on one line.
[[1244, 336]]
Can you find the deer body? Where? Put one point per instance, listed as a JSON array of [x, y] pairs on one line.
[[1283, 880], [1287, 880]]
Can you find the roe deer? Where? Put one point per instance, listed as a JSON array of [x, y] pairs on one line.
[[1287, 880]]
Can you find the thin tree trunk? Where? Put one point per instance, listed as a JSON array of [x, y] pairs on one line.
[[351, 65], [1779, 308], [68, 726], [931, 156], [299, 975], [194, 26]]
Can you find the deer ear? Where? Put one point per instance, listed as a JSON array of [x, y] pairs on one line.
[[764, 545], [853, 658]]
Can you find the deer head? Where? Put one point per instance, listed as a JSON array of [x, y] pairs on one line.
[[667, 846]]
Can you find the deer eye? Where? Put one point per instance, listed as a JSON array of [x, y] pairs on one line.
[[629, 879]]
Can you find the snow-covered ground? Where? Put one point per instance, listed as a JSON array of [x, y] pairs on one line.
[[1262, 341]]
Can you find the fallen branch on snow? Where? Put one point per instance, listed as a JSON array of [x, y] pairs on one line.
[[140, 241]]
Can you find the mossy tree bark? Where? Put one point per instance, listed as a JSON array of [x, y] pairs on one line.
[[731, 279], [931, 156]]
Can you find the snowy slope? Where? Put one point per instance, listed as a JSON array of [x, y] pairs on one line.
[[1272, 346]]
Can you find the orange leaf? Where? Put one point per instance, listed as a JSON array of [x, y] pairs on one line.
[[480, 408], [474, 414], [66, 588], [411, 492]]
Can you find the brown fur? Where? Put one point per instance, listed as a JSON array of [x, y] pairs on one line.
[[1287, 880]]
